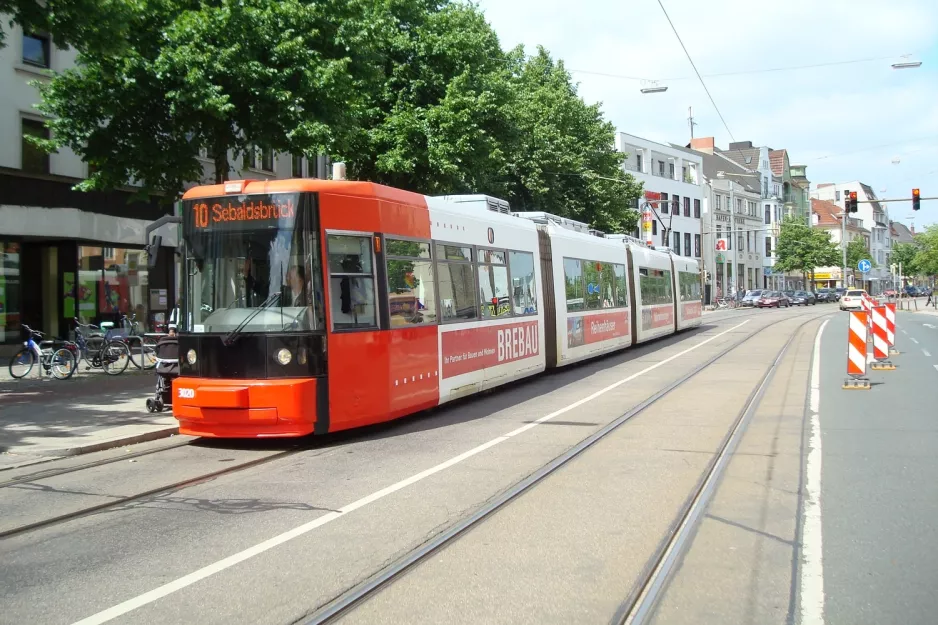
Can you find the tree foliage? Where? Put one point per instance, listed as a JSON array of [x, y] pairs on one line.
[[905, 254], [416, 94], [225, 75], [803, 248], [857, 250], [926, 258]]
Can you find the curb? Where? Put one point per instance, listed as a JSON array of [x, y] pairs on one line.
[[107, 444]]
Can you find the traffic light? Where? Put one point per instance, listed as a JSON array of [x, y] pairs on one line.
[[853, 202], [916, 200]]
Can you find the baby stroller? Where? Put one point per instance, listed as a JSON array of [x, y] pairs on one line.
[[167, 370]]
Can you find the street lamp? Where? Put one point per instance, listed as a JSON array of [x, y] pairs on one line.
[[653, 87], [907, 65]]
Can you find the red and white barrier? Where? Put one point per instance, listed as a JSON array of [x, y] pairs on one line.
[[891, 324], [856, 343], [880, 342]]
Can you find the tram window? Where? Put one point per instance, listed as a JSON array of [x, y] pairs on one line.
[[410, 283], [622, 286], [573, 282], [352, 284], [496, 257], [493, 291], [453, 252], [523, 285], [655, 286], [457, 291]]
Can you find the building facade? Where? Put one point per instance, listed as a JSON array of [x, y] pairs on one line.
[[875, 218], [67, 254], [672, 179], [829, 217]]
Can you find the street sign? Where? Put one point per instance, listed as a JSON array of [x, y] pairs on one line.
[[721, 245], [864, 265]]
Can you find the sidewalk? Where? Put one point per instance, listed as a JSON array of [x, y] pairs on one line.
[[92, 411]]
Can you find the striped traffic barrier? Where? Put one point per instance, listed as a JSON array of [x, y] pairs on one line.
[[891, 328], [856, 352], [880, 341]]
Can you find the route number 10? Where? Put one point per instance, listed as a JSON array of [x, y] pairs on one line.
[[201, 215]]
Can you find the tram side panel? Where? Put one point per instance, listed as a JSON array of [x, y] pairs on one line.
[[491, 301], [686, 282], [654, 293], [376, 372], [590, 282]]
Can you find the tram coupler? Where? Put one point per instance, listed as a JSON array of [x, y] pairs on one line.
[[857, 384]]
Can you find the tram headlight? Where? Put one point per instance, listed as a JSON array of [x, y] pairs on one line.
[[191, 357], [284, 356]]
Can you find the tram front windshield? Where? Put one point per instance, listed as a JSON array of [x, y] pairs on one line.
[[252, 264]]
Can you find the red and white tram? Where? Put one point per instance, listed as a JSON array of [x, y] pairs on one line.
[[317, 306]]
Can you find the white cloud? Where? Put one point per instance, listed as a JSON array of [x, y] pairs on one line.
[[832, 112]]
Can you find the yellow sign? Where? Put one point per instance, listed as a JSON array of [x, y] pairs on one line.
[[823, 276], [646, 225]]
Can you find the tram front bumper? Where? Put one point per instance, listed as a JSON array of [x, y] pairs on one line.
[[245, 408]]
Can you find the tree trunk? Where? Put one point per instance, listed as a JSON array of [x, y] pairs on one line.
[[220, 156]]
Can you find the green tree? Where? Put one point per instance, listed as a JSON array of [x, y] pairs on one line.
[[905, 253], [857, 250], [563, 160], [926, 259], [803, 248], [225, 75]]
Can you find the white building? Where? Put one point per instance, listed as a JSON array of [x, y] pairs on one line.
[[875, 218], [82, 251], [672, 179]]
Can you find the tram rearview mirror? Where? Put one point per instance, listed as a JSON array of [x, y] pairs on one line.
[[153, 250]]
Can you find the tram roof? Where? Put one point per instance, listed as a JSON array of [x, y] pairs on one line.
[[300, 185]]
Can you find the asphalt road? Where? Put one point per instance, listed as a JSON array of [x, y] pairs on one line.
[[271, 543]]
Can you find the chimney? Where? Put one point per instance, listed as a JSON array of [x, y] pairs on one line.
[[702, 144], [741, 145]]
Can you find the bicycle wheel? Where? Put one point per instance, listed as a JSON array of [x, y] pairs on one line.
[[143, 355], [114, 357], [22, 363], [63, 364]]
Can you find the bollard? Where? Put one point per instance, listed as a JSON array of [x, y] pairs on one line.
[[880, 341], [856, 353]]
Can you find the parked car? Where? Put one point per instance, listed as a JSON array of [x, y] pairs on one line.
[[852, 300], [826, 295], [773, 299], [802, 298], [889, 292], [751, 298]]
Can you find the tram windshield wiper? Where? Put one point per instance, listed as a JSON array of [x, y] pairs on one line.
[[232, 336]]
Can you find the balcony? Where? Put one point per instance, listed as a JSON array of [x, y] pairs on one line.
[[631, 166]]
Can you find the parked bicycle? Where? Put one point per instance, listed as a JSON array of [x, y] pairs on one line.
[[98, 350], [54, 358], [142, 348]]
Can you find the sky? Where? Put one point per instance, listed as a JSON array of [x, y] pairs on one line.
[[856, 120]]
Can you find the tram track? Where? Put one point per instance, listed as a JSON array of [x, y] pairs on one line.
[[640, 603], [123, 500]]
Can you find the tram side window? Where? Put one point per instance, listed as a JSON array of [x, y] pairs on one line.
[[690, 286], [523, 284], [410, 283], [655, 286], [573, 282], [622, 285], [599, 284], [352, 285], [493, 284], [457, 283]]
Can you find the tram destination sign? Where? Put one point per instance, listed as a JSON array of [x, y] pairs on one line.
[[242, 213]]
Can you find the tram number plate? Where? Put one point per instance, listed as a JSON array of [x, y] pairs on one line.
[[186, 393]]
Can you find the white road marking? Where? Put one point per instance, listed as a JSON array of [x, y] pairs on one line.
[[913, 340], [925, 351], [904, 332], [217, 567], [928, 325], [812, 553]]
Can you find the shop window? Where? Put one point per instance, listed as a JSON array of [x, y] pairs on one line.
[[9, 292], [35, 160], [573, 281], [352, 288], [410, 283], [523, 283], [112, 283], [37, 50]]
